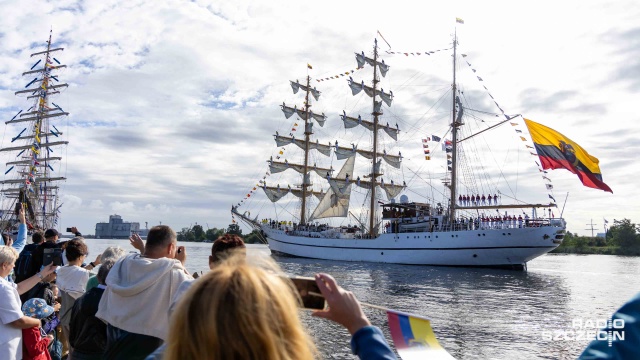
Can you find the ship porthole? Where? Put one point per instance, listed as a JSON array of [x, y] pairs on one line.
[[475, 255], [382, 253]]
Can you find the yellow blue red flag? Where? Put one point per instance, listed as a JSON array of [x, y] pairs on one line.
[[557, 151], [414, 338]]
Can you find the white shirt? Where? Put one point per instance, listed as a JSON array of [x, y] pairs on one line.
[[72, 279], [10, 311]]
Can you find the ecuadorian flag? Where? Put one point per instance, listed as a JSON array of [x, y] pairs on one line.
[[413, 337], [557, 151]]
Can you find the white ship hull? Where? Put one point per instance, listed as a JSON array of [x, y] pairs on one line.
[[510, 247]]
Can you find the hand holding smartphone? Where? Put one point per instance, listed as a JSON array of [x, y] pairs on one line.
[[309, 292]]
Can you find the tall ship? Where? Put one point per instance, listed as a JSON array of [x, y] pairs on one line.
[[361, 210], [33, 149]]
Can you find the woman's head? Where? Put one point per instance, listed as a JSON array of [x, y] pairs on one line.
[[112, 253], [225, 246], [239, 311], [76, 249], [8, 257]]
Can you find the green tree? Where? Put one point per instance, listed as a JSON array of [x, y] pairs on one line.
[[624, 233], [254, 238], [198, 232], [213, 234], [234, 229]]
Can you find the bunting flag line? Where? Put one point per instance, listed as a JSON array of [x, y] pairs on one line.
[[342, 74], [557, 151], [459, 20], [414, 338], [487, 90], [415, 53]]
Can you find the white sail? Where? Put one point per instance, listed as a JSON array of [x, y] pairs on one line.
[[278, 166], [362, 59], [392, 190], [351, 122], [335, 202], [288, 111], [284, 140], [356, 88], [297, 86], [275, 193], [317, 194]]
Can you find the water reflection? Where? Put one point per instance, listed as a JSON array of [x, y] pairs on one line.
[[476, 313]]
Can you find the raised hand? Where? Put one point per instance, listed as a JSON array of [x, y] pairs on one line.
[[136, 241], [343, 308], [181, 254]]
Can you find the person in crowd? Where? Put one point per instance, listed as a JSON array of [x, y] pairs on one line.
[[34, 343], [88, 334], [139, 290], [43, 290], [225, 245], [111, 253], [243, 310], [19, 244], [50, 242], [12, 320], [72, 281]]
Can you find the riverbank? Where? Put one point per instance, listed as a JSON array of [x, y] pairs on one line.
[[596, 250]]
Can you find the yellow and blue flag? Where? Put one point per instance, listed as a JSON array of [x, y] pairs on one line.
[[414, 338]]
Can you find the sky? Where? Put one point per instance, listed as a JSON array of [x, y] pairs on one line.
[[173, 104]]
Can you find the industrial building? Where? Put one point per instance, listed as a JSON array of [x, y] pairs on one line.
[[116, 228]]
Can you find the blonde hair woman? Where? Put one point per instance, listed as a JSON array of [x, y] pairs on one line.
[[244, 309]]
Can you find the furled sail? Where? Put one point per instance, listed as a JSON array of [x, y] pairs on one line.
[[317, 194], [284, 140], [335, 202], [361, 59], [356, 88], [278, 166], [344, 153], [297, 86], [275, 193], [350, 122], [392, 190], [288, 111]]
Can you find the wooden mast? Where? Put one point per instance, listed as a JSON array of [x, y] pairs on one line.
[[454, 139], [307, 134], [372, 209]]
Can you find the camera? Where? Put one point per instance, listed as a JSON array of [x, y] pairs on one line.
[[69, 230], [309, 292]]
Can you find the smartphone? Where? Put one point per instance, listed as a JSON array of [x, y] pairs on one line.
[[69, 230], [52, 256], [309, 293]]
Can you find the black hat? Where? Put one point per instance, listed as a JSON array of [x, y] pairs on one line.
[[50, 233]]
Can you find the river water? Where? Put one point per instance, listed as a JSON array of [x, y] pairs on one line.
[[475, 313]]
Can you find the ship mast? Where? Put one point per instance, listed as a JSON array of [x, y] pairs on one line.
[[33, 185], [372, 209], [454, 138], [307, 134]]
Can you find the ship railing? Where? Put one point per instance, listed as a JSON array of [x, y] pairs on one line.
[[483, 225]]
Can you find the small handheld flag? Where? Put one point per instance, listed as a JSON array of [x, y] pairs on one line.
[[414, 337]]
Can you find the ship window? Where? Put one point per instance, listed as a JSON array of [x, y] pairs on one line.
[[508, 233], [484, 235], [503, 234]]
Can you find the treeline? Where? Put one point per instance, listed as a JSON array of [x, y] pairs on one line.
[[197, 233], [623, 238]]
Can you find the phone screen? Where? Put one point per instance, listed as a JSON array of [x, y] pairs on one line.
[[309, 293]]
